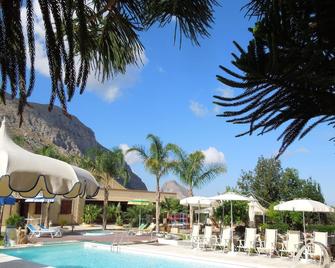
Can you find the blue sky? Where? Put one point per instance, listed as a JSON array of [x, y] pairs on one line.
[[171, 96]]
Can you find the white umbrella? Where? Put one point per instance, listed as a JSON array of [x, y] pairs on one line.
[[304, 205], [197, 201], [28, 173], [230, 196], [255, 208]]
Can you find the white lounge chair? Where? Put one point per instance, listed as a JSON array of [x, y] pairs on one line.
[[292, 244], [249, 242], [208, 239], [224, 240], [269, 245], [57, 230], [38, 233], [316, 250], [195, 236]]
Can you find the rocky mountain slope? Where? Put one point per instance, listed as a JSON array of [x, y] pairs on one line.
[[41, 127], [174, 187]]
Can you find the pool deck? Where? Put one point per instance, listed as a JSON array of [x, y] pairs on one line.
[[147, 245], [214, 257]]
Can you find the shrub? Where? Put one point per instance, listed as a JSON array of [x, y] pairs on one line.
[[321, 228], [91, 213], [280, 226], [119, 220], [15, 221], [62, 222]]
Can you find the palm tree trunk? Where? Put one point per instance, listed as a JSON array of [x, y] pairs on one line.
[[46, 220], [190, 192], [158, 199], [104, 213]]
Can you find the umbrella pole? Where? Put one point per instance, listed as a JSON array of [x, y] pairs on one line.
[[1, 216], [199, 214], [231, 226], [305, 239]]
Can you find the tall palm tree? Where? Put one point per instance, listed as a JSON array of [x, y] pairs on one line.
[[102, 35], [106, 165], [156, 161], [193, 171]]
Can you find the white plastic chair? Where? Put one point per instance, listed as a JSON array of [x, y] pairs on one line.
[[195, 236], [292, 244], [224, 240], [269, 245], [208, 239], [322, 238], [249, 242]]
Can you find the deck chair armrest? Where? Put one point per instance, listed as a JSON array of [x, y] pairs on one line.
[[241, 242]]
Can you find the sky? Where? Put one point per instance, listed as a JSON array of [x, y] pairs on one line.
[[171, 96]]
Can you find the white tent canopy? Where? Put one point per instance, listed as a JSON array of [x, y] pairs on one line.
[[255, 208], [28, 173]]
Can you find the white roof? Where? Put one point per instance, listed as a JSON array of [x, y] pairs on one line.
[[28, 173], [197, 201], [230, 196], [306, 205]]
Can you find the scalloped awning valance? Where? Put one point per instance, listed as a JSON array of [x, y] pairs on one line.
[[28, 174]]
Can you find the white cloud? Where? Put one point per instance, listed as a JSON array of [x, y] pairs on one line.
[[132, 157], [213, 156], [198, 109], [225, 92], [299, 150], [109, 90]]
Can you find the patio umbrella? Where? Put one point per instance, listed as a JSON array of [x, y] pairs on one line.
[[230, 196], [40, 199], [139, 202], [28, 173], [304, 205], [255, 208], [10, 200], [197, 201]]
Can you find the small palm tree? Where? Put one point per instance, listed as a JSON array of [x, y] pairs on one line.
[[193, 170], [106, 165], [156, 161]]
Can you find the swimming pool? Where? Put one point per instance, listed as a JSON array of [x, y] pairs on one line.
[[78, 256]]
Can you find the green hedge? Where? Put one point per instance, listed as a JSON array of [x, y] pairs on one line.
[[281, 227], [321, 228]]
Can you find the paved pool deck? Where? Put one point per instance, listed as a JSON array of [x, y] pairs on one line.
[[215, 257]]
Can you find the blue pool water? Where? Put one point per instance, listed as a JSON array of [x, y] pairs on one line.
[[77, 256]]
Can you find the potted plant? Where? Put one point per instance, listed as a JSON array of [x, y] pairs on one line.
[[12, 223]]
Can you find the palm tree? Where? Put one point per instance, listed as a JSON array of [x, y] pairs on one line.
[[194, 172], [102, 35], [156, 161], [106, 165]]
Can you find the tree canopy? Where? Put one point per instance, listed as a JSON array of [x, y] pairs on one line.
[[99, 36], [270, 183], [287, 71]]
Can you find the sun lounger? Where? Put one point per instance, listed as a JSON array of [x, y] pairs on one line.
[[38, 233], [249, 242], [208, 239], [292, 244], [148, 230], [269, 245], [57, 230], [195, 236], [316, 250], [224, 240]]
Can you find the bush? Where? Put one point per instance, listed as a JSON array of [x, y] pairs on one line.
[[119, 221], [321, 228], [15, 221], [91, 213], [280, 226]]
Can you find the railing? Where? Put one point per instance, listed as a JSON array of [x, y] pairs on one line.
[[324, 255]]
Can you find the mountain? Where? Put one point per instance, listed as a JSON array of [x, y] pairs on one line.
[[41, 127], [174, 187]]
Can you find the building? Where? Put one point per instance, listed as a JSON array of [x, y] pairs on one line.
[[70, 211]]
